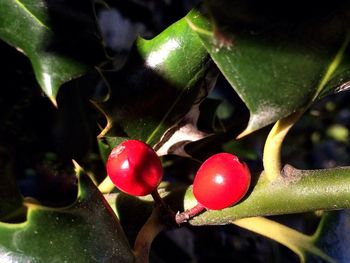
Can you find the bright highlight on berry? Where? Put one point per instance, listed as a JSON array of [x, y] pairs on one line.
[[221, 181], [134, 168]]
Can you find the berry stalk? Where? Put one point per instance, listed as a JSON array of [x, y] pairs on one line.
[[189, 213]]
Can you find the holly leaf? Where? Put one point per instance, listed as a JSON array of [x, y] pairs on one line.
[[332, 237], [86, 231], [58, 38], [296, 241], [158, 91], [278, 58]]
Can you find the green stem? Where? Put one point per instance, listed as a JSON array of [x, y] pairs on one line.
[[296, 191]]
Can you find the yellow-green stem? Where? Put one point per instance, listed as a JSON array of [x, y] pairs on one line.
[[273, 145], [106, 186]]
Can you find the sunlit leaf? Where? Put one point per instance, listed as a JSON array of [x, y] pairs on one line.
[[157, 87], [278, 58], [58, 40]]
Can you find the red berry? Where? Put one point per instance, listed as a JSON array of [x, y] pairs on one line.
[[135, 168], [221, 181]]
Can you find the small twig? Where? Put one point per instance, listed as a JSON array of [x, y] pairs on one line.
[[189, 213], [168, 217], [273, 145]]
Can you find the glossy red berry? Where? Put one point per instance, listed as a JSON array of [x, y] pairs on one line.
[[221, 181], [134, 168]]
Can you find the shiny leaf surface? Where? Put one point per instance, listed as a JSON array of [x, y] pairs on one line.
[[56, 52], [161, 81]]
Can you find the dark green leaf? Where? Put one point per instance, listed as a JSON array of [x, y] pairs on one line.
[[133, 219], [86, 231], [49, 36], [161, 81], [276, 60]]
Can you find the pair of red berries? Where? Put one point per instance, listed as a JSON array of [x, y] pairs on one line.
[[221, 181]]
